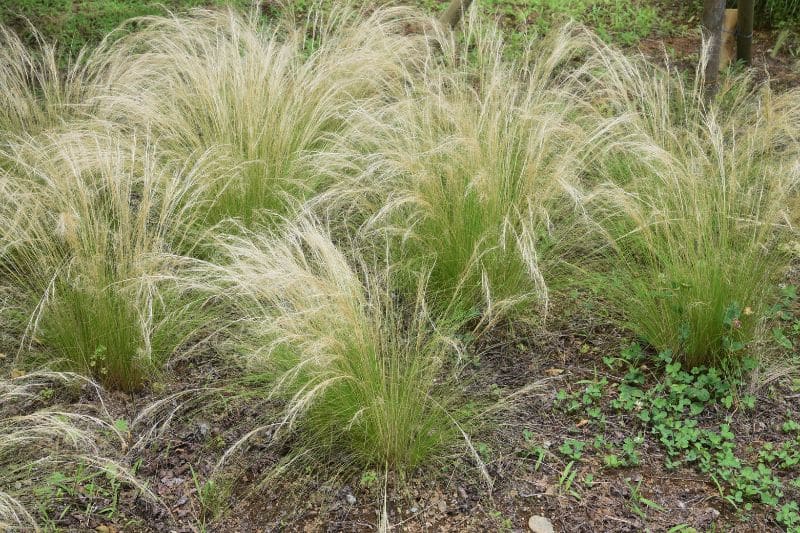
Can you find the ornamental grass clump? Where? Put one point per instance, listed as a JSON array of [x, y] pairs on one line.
[[34, 93], [37, 94], [266, 97], [367, 378], [88, 224], [472, 172], [695, 205]]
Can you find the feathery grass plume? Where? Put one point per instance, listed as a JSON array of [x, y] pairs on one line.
[[87, 223], [695, 205], [34, 95], [267, 96], [473, 171], [37, 95], [37, 441], [366, 380]]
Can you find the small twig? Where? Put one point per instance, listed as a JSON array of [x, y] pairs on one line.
[[619, 520]]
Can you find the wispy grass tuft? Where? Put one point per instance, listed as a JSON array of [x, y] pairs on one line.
[[265, 97], [34, 94], [38, 95], [696, 206], [87, 224], [473, 171], [367, 380]]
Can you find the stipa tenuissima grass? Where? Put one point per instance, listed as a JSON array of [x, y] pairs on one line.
[[38, 94], [266, 96], [696, 204], [367, 380], [473, 172], [87, 229]]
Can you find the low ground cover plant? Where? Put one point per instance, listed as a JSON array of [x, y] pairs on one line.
[[688, 412]]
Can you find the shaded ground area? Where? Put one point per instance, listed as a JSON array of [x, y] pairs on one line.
[[782, 69]]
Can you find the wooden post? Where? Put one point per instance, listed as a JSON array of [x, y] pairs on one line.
[[452, 15], [728, 48], [744, 32], [713, 15]]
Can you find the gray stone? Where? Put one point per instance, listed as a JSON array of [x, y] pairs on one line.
[[540, 524]]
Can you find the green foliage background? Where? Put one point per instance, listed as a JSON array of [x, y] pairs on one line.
[[77, 23]]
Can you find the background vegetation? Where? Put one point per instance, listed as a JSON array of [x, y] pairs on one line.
[[76, 23]]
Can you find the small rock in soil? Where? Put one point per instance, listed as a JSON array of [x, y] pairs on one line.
[[540, 524], [707, 515]]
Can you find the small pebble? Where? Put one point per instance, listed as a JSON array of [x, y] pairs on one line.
[[540, 524]]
